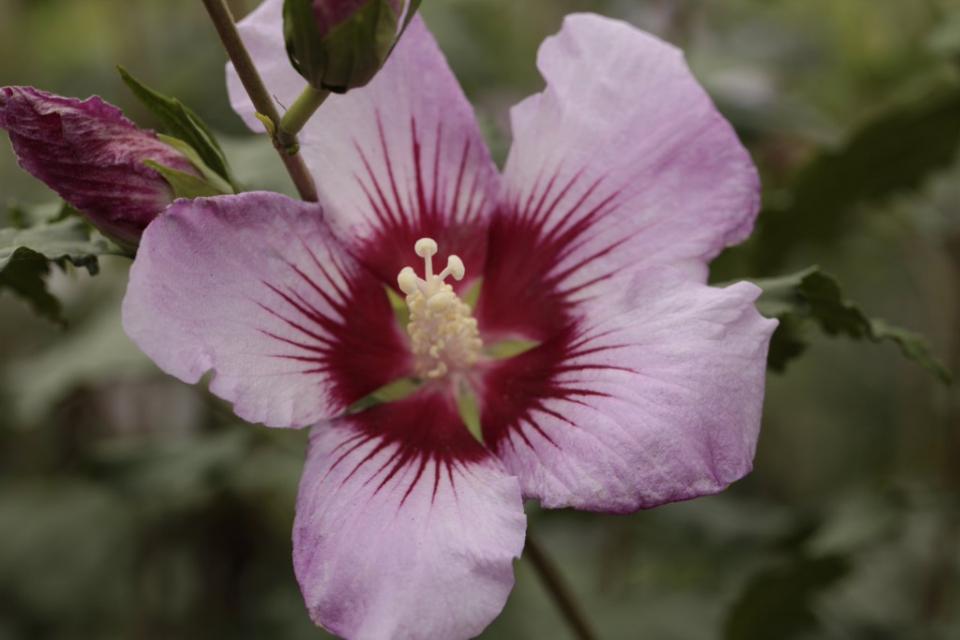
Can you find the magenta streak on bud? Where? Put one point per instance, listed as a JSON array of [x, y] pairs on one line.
[[330, 13], [91, 155]]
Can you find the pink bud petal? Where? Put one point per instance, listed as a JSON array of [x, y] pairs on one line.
[[330, 13]]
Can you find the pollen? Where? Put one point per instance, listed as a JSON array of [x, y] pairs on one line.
[[443, 332]]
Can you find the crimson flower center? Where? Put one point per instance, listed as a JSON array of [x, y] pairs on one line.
[[443, 332]]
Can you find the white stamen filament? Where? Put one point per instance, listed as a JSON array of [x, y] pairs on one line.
[[443, 332]]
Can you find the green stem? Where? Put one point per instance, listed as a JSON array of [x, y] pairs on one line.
[[301, 111], [285, 143], [558, 589]]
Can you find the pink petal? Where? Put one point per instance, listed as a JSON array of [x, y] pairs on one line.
[[625, 152], [92, 156], [403, 152], [622, 184], [405, 528], [256, 289], [649, 394]]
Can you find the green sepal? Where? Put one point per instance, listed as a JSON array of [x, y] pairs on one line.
[[183, 123], [399, 305], [472, 295], [211, 176], [412, 9], [391, 392], [184, 185], [813, 297], [346, 57], [509, 348], [469, 412]]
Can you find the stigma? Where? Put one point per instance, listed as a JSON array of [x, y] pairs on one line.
[[443, 332]]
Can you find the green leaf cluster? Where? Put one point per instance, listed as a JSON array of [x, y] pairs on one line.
[[28, 249], [812, 297]]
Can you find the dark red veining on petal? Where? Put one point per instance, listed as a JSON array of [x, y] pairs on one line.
[[357, 343], [525, 295], [413, 432], [361, 348], [428, 210]]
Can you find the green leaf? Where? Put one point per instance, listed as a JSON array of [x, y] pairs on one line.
[[912, 345], [469, 412], [814, 297], [26, 254], [184, 185], [778, 602], [391, 392], [68, 239], [181, 122], [893, 153], [509, 348]]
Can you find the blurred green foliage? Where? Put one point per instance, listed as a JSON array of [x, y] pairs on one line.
[[36, 238], [133, 506]]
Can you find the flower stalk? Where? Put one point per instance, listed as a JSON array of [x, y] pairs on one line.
[[558, 589], [302, 110], [283, 140]]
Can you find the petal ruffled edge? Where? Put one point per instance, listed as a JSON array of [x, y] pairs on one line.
[[625, 154]]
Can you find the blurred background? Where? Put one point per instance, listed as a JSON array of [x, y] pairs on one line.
[[133, 506]]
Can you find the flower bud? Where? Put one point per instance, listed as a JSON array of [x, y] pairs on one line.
[[93, 156], [337, 45]]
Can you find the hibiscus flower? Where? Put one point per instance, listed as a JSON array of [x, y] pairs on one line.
[[460, 339]]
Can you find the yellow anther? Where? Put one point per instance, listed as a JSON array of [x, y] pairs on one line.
[[443, 334]]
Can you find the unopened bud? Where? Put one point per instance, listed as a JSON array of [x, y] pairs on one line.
[[338, 45], [93, 157]]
